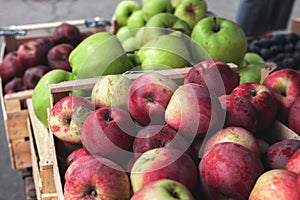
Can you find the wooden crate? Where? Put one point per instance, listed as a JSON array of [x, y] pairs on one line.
[[16, 118]]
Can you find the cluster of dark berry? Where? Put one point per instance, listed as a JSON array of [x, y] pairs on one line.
[[281, 48]]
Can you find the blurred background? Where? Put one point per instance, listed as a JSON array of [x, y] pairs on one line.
[[21, 12]]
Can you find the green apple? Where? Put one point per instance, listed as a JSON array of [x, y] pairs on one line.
[[124, 10], [99, 54], [251, 73], [223, 39], [124, 33], [136, 20], [41, 93], [252, 58], [153, 7], [164, 52], [191, 11]]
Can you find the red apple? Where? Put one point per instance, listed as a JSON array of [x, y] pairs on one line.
[[32, 75], [193, 111], [109, 132], [34, 52], [280, 152], [263, 101], [14, 85], [216, 75], [293, 163], [149, 95], [77, 153], [298, 183], [95, 178], [66, 33], [58, 56], [155, 136], [229, 171], [64, 123], [161, 163], [284, 84], [294, 116], [276, 184], [234, 134], [239, 112], [166, 189], [11, 67]]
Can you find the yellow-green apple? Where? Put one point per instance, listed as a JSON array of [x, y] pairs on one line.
[[155, 136], [294, 116], [252, 58], [251, 73], [163, 189], [234, 134], [280, 152], [191, 11], [194, 111], [161, 163], [41, 93], [109, 132], [32, 75], [263, 100], [293, 163], [229, 171], [58, 56], [216, 75], [136, 20], [34, 52], [284, 84], [111, 91], [164, 52], [10, 67], [276, 184], [215, 34], [88, 59], [124, 10], [95, 178], [66, 33], [239, 112], [14, 85], [148, 97], [62, 122], [154, 7]]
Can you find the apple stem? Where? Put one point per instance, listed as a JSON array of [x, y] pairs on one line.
[[216, 26]]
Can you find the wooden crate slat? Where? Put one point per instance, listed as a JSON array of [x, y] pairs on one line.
[[21, 154], [17, 123]]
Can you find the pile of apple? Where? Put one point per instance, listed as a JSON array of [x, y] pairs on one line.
[[21, 69], [200, 137]]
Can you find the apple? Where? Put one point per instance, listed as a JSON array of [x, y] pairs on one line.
[[66, 33], [263, 100], [229, 171], [164, 52], [194, 111], [89, 60], [163, 189], [58, 56], [154, 7], [234, 134], [293, 163], [239, 112], [109, 132], [284, 84], [62, 122], [148, 97], [41, 94], [111, 91], [294, 116], [276, 184], [10, 67], [215, 34], [155, 136], [136, 20], [251, 73], [14, 85], [95, 178], [216, 75], [252, 58], [280, 152], [191, 11], [161, 163], [32, 75], [75, 154], [124, 10], [34, 52]]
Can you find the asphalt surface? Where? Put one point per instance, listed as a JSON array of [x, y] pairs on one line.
[[20, 12]]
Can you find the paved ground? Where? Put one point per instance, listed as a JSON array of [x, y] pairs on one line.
[[19, 12]]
